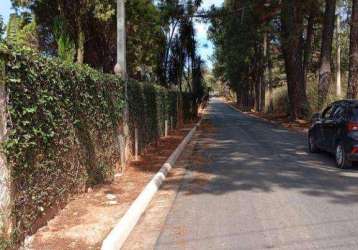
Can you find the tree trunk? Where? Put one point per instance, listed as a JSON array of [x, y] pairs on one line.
[[258, 72], [180, 117], [80, 45], [263, 73], [308, 43], [270, 80], [292, 47], [238, 98], [353, 54], [325, 71], [338, 77], [262, 90], [257, 92], [167, 50], [80, 36]]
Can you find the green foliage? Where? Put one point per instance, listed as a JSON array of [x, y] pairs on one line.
[[146, 40], [189, 107], [97, 21], [22, 31], [235, 37], [150, 106], [104, 10], [290, 32], [280, 96], [4, 244], [62, 130], [279, 100], [64, 28], [65, 46], [12, 27], [63, 125]]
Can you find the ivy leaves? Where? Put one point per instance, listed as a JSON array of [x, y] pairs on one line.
[[49, 101], [63, 123]]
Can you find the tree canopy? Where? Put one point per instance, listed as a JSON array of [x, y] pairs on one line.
[[262, 46], [161, 43]]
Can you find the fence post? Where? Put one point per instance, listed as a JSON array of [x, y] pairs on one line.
[[136, 144], [166, 128], [6, 223], [122, 151]]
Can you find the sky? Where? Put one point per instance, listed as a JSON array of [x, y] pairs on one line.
[[205, 46], [5, 9]]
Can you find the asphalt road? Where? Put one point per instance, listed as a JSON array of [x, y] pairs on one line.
[[259, 188]]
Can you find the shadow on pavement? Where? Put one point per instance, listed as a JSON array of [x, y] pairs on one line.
[[243, 153]]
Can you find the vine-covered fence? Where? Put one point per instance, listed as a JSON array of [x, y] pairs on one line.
[[59, 126]]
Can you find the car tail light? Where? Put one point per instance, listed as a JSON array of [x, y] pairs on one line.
[[354, 150], [352, 126]]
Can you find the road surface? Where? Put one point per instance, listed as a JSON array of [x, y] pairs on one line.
[[255, 186]]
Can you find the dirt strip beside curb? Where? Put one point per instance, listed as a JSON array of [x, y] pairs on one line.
[[121, 231]]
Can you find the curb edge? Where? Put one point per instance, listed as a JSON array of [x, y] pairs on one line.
[[119, 234]]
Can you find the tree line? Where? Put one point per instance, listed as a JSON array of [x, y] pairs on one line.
[[309, 46], [161, 44]]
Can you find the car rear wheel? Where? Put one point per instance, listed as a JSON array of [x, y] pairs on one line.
[[312, 147], [341, 157]]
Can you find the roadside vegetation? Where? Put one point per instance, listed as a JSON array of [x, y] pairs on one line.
[[290, 57], [64, 105]]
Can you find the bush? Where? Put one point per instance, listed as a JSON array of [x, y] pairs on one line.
[[188, 107], [63, 126], [279, 100], [4, 244], [150, 106], [280, 95], [312, 92]]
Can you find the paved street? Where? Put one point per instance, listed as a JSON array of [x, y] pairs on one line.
[[256, 187]]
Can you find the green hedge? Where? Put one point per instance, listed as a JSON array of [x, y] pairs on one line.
[[150, 106], [62, 123], [63, 126]]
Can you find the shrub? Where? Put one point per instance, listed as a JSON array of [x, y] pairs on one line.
[[63, 123], [149, 106], [279, 100], [280, 95]]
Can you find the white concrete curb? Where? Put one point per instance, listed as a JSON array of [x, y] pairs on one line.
[[121, 231]]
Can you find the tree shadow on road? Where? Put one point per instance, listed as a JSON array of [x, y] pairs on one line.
[[250, 155]]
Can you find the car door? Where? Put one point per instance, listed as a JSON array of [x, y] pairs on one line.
[[326, 123], [318, 132], [332, 126]]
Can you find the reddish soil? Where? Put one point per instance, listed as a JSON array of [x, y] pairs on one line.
[[149, 227], [88, 218], [298, 125]]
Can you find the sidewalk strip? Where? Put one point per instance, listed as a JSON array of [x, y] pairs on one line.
[[121, 231]]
